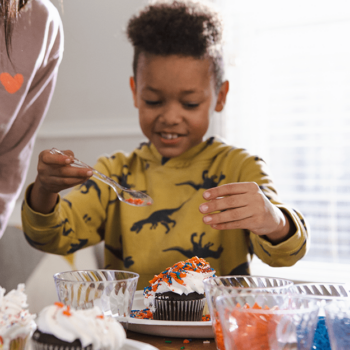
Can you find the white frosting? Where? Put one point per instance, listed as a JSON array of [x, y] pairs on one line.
[[89, 326], [15, 321], [191, 282]]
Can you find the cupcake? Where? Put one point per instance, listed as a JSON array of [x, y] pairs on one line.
[[63, 328], [16, 323], [177, 294]]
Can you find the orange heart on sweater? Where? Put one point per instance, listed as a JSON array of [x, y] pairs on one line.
[[11, 84]]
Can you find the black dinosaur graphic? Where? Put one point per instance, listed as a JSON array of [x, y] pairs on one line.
[[208, 182], [295, 253], [31, 242], [144, 144], [198, 249], [264, 250], [263, 189], [88, 185], [67, 201], [259, 159], [75, 247], [65, 231], [86, 218], [118, 253], [123, 178], [157, 217], [301, 219], [240, 270]]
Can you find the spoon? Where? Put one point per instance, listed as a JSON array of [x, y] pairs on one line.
[[132, 197]]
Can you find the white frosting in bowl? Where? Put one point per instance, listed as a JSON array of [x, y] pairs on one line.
[[15, 320], [89, 326]]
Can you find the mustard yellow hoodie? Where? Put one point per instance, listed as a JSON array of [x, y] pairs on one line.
[[149, 239]]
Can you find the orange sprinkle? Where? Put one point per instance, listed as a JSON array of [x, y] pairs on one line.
[[186, 341], [137, 201], [59, 304], [100, 316], [253, 329], [219, 336], [67, 312]]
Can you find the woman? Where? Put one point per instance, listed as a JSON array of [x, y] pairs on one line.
[[31, 48]]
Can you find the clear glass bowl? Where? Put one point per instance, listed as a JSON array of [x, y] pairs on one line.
[[267, 321], [338, 323], [111, 290], [322, 291], [325, 293], [217, 286]]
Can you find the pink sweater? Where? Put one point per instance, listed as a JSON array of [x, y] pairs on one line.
[[26, 88]]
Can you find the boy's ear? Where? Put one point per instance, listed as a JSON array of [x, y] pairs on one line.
[[221, 99], [133, 90]]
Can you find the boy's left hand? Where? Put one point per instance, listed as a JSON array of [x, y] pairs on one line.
[[243, 205]]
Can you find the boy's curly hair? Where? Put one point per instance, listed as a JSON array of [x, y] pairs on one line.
[[183, 28]]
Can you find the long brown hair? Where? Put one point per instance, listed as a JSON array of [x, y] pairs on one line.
[[9, 10]]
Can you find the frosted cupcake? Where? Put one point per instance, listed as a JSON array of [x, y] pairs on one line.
[[63, 328], [177, 294], [16, 323]]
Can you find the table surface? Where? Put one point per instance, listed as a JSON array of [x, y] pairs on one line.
[[176, 343]]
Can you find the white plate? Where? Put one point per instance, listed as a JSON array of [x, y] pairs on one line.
[[176, 329], [128, 345], [137, 345]]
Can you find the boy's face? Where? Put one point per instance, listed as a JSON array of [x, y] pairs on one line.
[[175, 97]]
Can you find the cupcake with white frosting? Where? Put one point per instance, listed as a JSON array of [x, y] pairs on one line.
[[177, 294], [16, 323], [63, 328]]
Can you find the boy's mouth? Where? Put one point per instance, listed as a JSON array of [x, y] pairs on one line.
[[169, 136]]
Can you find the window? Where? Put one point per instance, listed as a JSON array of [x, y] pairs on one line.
[[288, 64]]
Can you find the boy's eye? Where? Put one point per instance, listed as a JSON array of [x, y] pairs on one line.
[[191, 105], [152, 103]]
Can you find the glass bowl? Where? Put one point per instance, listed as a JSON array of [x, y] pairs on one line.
[[338, 323], [267, 321], [322, 291], [325, 293], [111, 290], [217, 286]]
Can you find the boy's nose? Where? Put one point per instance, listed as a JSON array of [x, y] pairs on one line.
[[171, 116]]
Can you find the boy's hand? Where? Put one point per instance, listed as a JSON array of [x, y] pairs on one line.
[[54, 175], [243, 205]]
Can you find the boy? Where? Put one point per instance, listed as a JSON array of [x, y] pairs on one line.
[[177, 85]]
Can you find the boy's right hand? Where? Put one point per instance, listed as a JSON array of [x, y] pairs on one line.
[[54, 175]]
